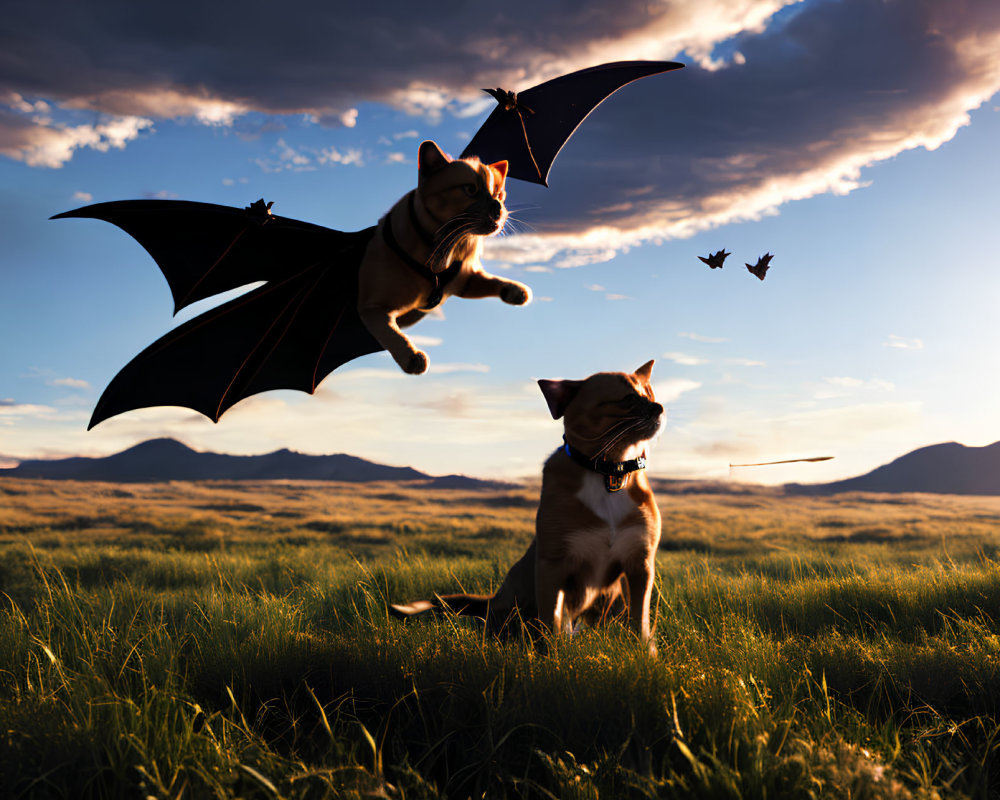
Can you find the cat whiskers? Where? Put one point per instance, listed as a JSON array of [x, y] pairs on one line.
[[450, 235], [515, 226]]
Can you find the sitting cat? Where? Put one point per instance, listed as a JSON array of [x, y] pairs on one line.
[[427, 248], [598, 525]]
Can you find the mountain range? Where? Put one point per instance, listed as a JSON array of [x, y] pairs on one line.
[[949, 468], [168, 459]]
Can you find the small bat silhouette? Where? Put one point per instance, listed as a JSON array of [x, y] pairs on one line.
[[760, 268], [715, 259]]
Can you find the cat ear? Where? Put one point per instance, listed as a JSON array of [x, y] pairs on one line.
[[645, 370], [559, 394], [501, 167], [430, 157]]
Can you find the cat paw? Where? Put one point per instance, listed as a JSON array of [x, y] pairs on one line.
[[516, 294], [416, 364]]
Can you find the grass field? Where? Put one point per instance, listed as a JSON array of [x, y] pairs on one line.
[[232, 640]]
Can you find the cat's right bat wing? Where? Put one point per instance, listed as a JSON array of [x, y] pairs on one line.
[[528, 129], [289, 333]]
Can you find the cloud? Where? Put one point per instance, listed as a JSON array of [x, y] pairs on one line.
[[39, 142], [769, 109], [83, 197], [596, 287], [697, 337], [147, 64], [286, 157], [902, 343], [446, 369], [837, 387], [684, 359], [10, 409], [392, 373], [424, 341], [795, 120], [74, 383], [330, 155], [670, 389], [453, 405]]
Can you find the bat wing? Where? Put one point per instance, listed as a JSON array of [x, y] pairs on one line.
[[530, 134], [204, 249], [289, 333]]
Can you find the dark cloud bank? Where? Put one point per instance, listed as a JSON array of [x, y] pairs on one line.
[[798, 98]]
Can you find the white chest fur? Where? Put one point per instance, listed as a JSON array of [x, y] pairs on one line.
[[613, 540], [610, 507]]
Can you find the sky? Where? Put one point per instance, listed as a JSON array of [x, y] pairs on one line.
[[855, 140]]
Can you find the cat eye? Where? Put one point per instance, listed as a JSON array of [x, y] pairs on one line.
[[470, 189]]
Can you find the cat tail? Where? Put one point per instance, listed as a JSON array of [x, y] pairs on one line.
[[469, 605]]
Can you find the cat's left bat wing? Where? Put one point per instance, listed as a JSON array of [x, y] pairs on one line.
[[289, 333], [528, 129]]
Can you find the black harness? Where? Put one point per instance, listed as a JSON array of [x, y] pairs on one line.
[[615, 472], [438, 280]]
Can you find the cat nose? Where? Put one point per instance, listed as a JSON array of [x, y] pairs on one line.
[[496, 209], [655, 409]]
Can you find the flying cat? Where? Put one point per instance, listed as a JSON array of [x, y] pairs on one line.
[[428, 248], [306, 320], [598, 526], [329, 296]]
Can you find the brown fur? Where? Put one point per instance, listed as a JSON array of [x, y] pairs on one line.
[[461, 201], [594, 552]]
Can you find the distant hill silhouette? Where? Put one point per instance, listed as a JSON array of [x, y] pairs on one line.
[[465, 482], [949, 468], [168, 459]]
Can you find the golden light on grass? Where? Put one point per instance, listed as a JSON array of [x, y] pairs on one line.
[[234, 638]]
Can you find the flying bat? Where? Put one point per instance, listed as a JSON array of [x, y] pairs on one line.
[[715, 259], [529, 128], [760, 268], [303, 323]]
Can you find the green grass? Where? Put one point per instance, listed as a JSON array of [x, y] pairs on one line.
[[232, 640]]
